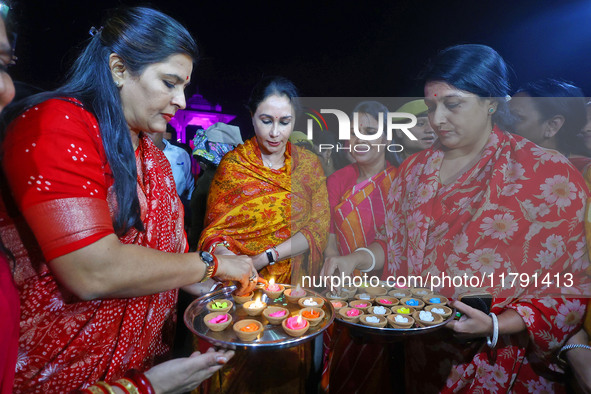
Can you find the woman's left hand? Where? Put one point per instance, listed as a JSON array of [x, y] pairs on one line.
[[472, 324], [260, 261], [181, 375]]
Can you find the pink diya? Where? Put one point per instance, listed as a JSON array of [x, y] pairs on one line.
[[293, 295], [350, 314], [276, 314], [387, 301], [338, 304], [217, 321], [360, 304], [295, 326], [273, 290]]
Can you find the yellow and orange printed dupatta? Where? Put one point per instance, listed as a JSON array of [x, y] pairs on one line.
[[253, 208]]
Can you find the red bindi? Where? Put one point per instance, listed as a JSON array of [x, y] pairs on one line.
[[187, 78]]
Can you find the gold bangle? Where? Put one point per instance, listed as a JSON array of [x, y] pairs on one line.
[[94, 389], [106, 386], [129, 386]]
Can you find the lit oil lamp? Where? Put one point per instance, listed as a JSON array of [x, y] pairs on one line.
[[293, 295], [254, 308], [295, 326], [273, 290]]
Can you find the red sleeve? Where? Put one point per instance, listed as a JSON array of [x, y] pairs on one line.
[[57, 171]]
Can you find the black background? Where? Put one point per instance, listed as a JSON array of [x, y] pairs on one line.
[[328, 48]]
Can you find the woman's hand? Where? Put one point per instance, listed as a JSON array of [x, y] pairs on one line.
[[260, 261], [345, 264], [472, 324], [184, 374], [238, 269]]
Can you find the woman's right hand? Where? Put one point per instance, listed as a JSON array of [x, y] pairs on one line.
[[345, 264], [182, 375], [238, 269]]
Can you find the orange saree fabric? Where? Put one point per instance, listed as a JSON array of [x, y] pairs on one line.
[[57, 171], [253, 208]]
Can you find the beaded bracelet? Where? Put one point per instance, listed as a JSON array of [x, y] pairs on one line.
[[566, 348], [140, 380]]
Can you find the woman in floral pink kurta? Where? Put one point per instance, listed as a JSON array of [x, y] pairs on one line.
[[519, 209], [482, 204]]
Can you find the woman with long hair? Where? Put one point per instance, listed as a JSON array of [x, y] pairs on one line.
[[95, 225]]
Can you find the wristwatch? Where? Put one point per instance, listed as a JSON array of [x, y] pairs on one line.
[[211, 264], [270, 256]]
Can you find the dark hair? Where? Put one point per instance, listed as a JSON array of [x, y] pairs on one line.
[[477, 69], [554, 97], [141, 37], [373, 108], [273, 85]]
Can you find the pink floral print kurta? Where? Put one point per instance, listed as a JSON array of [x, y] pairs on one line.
[[519, 209]]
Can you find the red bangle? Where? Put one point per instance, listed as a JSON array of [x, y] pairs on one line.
[[141, 381]]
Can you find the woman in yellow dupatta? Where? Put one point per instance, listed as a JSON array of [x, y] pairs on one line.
[[268, 199]]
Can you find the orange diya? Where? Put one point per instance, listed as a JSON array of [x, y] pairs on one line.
[[252, 327], [248, 329], [310, 314], [313, 315]]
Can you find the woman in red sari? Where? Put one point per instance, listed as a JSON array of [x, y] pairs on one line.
[[482, 201], [95, 225]]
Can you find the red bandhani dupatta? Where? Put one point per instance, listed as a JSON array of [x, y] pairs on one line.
[[360, 214], [56, 168], [519, 209], [252, 208]]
